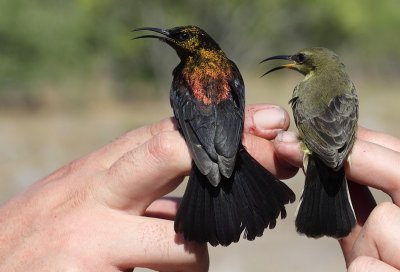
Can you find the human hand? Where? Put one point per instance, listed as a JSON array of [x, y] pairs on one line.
[[90, 215], [103, 212], [374, 243]]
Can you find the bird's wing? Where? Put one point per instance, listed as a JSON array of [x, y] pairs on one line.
[[197, 124], [329, 134], [229, 125]]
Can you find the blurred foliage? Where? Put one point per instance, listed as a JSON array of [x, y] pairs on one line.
[[60, 45]]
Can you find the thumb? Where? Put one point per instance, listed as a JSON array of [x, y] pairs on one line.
[[146, 173], [288, 149]]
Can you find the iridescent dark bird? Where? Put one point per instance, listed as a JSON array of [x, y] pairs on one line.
[[228, 191], [325, 110]]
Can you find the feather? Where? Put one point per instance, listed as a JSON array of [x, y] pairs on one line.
[[325, 208], [250, 201]]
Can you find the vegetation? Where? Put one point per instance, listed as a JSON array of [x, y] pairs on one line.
[[71, 47]]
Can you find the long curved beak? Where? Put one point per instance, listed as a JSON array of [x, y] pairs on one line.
[[164, 32], [284, 57]]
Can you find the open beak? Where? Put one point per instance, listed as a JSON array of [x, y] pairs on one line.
[[164, 32], [284, 57]]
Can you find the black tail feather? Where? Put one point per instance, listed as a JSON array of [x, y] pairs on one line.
[[250, 201], [325, 208]]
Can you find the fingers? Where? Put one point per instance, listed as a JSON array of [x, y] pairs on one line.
[[380, 238], [381, 152], [288, 148], [369, 264], [146, 173], [159, 157], [154, 244], [376, 166], [370, 164], [379, 138], [126, 241], [263, 151], [114, 150], [165, 208], [265, 120], [363, 204]]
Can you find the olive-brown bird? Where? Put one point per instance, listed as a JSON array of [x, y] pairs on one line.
[[325, 110], [228, 191]]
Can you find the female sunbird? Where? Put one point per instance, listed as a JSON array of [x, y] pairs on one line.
[[325, 110]]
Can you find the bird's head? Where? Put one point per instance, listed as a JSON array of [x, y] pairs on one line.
[[186, 40], [308, 60]]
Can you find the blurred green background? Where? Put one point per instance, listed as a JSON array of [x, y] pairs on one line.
[[60, 50], [71, 80]]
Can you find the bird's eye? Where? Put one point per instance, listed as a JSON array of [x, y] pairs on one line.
[[300, 58], [184, 36]]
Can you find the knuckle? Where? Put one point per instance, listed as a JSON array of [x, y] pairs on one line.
[[382, 213], [154, 129], [123, 168], [379, 219], [159, 127], [361, 264], [87, 164], [162, 146], [67, 170]]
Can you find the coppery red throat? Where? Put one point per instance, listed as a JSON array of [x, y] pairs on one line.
[[208, 77]]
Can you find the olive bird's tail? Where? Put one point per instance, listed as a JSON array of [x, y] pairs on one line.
[[325, 207], [250, 201]]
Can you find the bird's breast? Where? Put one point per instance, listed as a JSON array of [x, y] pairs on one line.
[[208, 82]]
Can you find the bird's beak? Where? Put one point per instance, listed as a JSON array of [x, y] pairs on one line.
[[284, 57], [166, 38]]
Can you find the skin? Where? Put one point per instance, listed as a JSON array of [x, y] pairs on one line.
[[375, 241], [103, 212], [44, 227]]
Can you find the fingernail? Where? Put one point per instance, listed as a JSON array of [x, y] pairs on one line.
[[287, 137], [269, 118]]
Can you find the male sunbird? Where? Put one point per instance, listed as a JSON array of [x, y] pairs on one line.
[[325, 110], [228, 191]]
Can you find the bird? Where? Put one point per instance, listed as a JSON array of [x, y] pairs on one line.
[[228, 191], [325, 110]]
